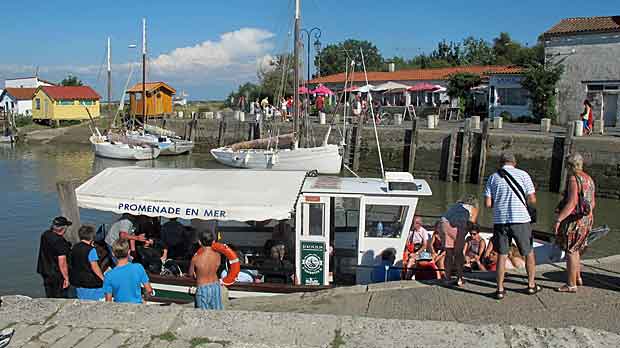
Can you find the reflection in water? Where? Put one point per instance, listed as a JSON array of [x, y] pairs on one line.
[[29, 175]]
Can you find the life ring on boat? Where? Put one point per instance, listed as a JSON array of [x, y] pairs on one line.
[[233, 261]]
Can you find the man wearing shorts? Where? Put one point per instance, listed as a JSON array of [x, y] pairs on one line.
[[511, 220], [204, 267]]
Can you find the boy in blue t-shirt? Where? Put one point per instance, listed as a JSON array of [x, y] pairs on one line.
[[123, 283]]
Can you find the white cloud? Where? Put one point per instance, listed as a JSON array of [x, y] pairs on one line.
[[236, 55], [232, 59]]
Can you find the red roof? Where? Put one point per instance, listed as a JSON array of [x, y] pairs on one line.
[[584, 25], [70, 92], [416, 74], [21, 93]]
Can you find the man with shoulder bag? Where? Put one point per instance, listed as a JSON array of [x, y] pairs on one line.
[[511, 194]]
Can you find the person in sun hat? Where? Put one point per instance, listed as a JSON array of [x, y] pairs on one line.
[[52, 262]]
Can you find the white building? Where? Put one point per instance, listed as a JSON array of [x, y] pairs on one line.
[[589, 48], [26, 82], [507, 97], [17, 100]]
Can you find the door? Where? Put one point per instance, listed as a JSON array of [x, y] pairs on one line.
[[312, 242], [610, 109], [384, 224]]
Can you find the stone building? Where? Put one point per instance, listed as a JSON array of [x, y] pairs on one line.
[[589, 48]]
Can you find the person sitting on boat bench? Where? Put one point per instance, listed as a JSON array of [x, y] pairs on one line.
[[174, 240], [277, 269], [124, 229]]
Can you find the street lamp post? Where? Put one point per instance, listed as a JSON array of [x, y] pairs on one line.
[[317, 46]]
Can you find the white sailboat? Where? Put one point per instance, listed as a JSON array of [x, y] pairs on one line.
[[116, 150], [109, 147], [168, 143], [325, 159]]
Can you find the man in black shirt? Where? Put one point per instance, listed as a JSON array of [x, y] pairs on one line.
[[52, 264]]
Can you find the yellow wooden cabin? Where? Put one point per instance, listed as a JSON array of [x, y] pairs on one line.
[[158, 99], [65, 103]]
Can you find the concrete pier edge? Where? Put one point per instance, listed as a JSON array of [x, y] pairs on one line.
[[71, 323]]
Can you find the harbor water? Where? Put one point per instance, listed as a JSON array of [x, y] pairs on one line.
[[28, 181]]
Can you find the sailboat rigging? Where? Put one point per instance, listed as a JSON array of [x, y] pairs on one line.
[[325, 159]]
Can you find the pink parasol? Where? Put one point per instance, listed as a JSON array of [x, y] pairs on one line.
[[322, 90], [351, 89], [303, 90], [423, 86]]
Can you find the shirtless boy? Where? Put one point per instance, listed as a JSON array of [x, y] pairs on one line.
[[203, 268]]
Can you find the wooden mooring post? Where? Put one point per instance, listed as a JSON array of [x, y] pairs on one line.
[[221, 131], [482, 164], [451, 154], [413, 144], [69, 208], [568, 147], [358, 143], [465, 153]]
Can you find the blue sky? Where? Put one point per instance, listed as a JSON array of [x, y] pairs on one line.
[[207, 48]]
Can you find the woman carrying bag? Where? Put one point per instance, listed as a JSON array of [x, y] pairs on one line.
[[575, 219]]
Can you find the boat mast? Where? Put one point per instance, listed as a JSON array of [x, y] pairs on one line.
[[109, 77], [144, 70], [296, 65]]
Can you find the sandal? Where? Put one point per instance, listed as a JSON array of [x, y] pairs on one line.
[[579, 281], [533, 290], [460, 283], [500, 294], [567, 288]]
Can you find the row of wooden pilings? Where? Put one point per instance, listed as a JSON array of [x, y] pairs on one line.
[[465, 152]]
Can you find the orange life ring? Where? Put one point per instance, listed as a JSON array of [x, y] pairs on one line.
[[233, 261]]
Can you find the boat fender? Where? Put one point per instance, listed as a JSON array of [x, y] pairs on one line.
[[246, 158], [233, 261]]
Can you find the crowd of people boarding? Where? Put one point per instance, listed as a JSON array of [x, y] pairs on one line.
[[455, 244]]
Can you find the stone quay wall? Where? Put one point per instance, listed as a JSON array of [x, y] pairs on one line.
[[539, 153], [71, 323]]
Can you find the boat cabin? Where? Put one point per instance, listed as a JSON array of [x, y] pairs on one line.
[[332, 230]]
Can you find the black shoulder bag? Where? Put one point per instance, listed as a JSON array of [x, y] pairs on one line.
[[518, 190]]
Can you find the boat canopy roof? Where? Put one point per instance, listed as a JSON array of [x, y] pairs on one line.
[[236, 195], [364, 186]]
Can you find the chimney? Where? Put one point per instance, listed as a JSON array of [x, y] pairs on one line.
[[391, 67]]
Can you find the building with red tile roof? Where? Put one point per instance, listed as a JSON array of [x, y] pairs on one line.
[[413, 76], [588, 48], [55, 103], [17, 100], [584, 25]]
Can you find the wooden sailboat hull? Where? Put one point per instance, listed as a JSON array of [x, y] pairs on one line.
[[324, 159], [123, 151]]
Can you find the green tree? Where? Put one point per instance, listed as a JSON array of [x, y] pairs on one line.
[[477, 52], [333, 57], [460, 85], [71, 80], [250, 91], [277, 80], [540, 80]]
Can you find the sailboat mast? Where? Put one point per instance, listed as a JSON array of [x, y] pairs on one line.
[[296, 65], [144, 70], [109, 77]]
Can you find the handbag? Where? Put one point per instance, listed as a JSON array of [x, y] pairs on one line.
[[518, 190], [583, 208]]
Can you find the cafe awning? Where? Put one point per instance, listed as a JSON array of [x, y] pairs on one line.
[[390, 86], [238, 195]]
